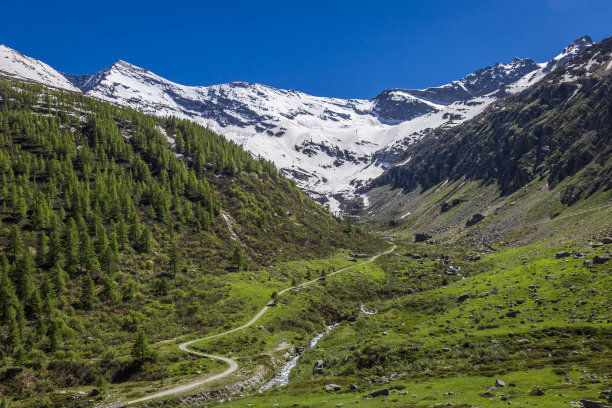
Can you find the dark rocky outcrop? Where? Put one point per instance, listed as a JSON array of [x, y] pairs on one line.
[[476, 218], [378, 393], [421, 237]]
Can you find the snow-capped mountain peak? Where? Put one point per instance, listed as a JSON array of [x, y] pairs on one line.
[[330, 146], [569, 52], [15, 65]]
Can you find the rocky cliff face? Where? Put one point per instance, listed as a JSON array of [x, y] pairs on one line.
[[558, 128]]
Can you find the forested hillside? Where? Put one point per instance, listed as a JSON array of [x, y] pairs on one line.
[[114, 223]]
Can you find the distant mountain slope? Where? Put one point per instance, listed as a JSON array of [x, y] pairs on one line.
[[553, 129], [527, 160], [329, 146]]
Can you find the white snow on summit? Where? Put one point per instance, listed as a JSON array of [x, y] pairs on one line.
[[329, 146], [16, 65]]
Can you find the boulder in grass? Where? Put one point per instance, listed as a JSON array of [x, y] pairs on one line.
[[500, 383], [463, 297], [601, 259], [378, 393], [592, 404], [332, 387], [537, 392], [421, 237], [562, 254]]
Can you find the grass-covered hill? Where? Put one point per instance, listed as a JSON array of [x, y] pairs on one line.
[[113, 222], [521, 326]]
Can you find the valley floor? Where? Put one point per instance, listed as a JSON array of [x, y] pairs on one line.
[[444, 323]]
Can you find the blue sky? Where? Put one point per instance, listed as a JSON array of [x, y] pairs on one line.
[[349, 49]]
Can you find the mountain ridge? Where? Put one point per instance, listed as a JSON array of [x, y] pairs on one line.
[[329, 146]]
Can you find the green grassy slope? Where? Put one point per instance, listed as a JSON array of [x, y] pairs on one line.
[[112, 222], [532, 320]]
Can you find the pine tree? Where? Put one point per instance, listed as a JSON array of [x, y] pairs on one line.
[[87, 254], [145, 240], [122, 233], [23, 276], [13, 339], [41, 249], [237, 259], [88, 293], [71, 246], [140, 349], [174, 258], [15, 245]]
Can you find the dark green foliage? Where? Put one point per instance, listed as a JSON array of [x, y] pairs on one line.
[[141, 351], [237, 259]]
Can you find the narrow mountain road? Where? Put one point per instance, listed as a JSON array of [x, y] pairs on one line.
[[233, 366]]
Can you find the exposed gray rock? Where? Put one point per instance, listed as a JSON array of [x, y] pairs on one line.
[[500, 383], [562, 254], [592, 404], [600, 259], [332, 387], [463, 297], [377, 393], [476, 218], [318, 367]]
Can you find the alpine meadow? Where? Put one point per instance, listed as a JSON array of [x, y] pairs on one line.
[[242, 245]]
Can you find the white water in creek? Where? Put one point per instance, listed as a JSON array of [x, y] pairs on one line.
[[282, 378]]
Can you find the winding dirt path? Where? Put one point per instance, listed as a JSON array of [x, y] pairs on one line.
[[233, 366]]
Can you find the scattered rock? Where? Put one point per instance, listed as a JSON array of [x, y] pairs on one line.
[[522, 341], [421, 237], [318, 367], [596, 244], [536, 391], [500, 383], [476, 218], [377, 393], [94, 392], [449, 393], [511, 385], [332, 387], [353, 386], [562, 254], [463, 297], [592, 404], [600, 259], [607, 240]]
